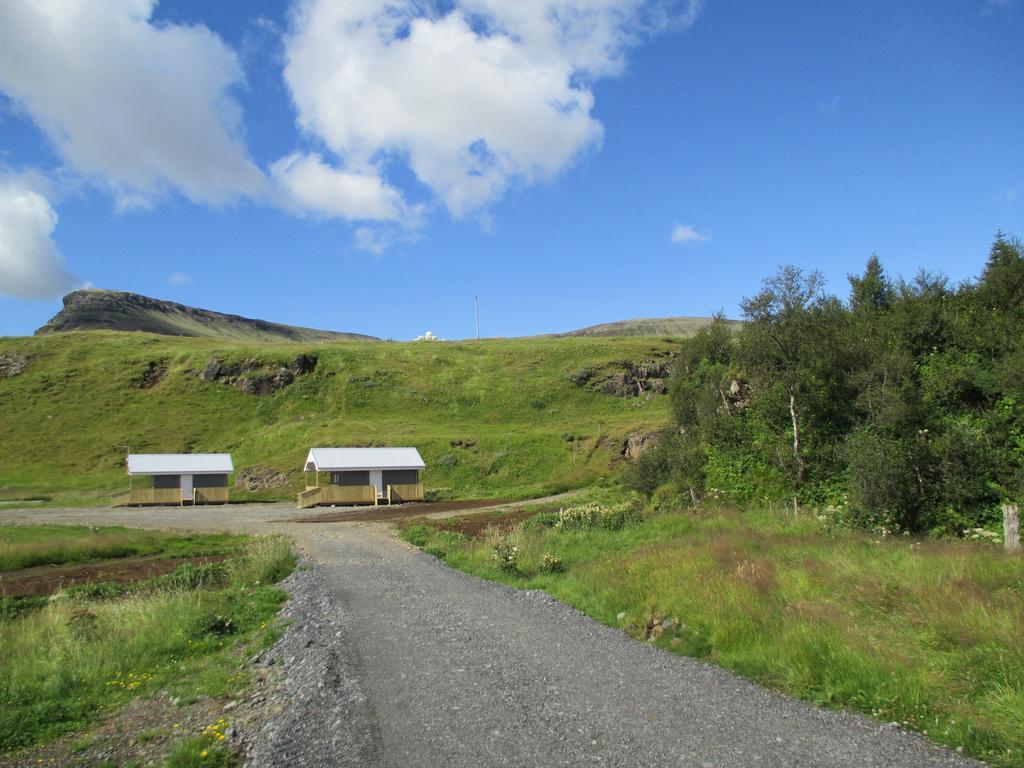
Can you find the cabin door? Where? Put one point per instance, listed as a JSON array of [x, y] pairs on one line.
[[186, 488], [377, 481]]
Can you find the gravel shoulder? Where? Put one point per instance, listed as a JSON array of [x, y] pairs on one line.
[[394, 659]]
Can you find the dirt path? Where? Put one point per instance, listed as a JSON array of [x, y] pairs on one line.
[[402, 661]]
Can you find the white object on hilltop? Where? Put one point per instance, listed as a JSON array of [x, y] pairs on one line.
[[428, 336]]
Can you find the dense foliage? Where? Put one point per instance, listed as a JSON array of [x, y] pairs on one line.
[[901, 407]]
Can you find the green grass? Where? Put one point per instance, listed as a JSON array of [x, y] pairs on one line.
[[80, 658], [926, 633], [70, 414], [25, 546]]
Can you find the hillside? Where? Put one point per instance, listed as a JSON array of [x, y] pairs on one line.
[[650, 326], [492, 418], [96, 310]]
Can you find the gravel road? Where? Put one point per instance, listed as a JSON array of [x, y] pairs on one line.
[[394, 659]]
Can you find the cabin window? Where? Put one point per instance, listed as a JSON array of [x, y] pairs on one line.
[[210, 481], [350, 478], [400, 477]]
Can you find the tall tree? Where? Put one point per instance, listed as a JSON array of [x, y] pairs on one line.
[[872, 290], [779, 333]]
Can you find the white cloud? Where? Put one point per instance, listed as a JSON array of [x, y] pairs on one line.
[[473, 98], [684, 233], [143, 107], [31, 266], [309, 184], [371, 240], [179, 278]]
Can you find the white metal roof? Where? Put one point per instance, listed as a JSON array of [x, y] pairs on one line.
[[357, 459], [180, 464]]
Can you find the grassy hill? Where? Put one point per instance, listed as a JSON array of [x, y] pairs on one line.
[[92, 310], [650, 326], [71, 402]]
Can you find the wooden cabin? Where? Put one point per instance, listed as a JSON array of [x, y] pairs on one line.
[[175, 478], [362, 476]]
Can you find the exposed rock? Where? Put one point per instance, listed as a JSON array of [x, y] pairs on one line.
[[12, 364], [737, 397], [260, 478], [98, 310], [639, 442], [258, 377], [628, 379], [465, 444], [581, 377], [154, 372]]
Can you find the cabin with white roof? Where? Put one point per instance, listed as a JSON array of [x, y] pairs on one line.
[[176, 478], [362, 476]]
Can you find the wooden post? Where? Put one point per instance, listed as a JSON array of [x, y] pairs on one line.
[[1011, 528]]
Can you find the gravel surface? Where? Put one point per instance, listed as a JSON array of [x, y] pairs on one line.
[[394, 659]]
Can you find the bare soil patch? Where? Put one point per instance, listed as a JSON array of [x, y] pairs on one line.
[[47, 579], [392, 513], [475, 525]]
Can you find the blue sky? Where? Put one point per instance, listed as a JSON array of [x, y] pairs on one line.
[[240, 166]]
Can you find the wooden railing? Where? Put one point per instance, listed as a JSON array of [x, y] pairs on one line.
[[217, 495], [309, 498], [405, 492], [146, 496], [337, 494], [349, 494]]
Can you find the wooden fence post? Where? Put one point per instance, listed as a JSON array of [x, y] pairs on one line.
[[1011, 528]]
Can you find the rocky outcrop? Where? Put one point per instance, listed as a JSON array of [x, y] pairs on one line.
[[257, 377], [638, 443], [12, 364], [626, 378], [261, 478], [96, 310], [736, 397]]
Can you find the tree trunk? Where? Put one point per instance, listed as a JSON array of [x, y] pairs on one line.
[[795, 416], [1011, 528]]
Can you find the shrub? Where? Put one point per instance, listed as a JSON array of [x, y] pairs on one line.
[[552, 564], [507, 555], [594, 515]]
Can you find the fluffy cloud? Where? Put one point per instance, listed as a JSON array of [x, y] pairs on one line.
[[31, 267], [472, 97], [684, 233], [144, 107], [309, 184]]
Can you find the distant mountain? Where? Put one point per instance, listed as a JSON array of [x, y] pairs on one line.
[[96, 310], [650, 326]]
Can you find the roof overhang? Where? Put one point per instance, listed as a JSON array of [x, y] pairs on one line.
[[180, 464], [362, 459]]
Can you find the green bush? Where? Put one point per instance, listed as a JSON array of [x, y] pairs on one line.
[[552, 564]]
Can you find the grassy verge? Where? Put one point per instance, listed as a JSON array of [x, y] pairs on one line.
[[929, 634], [25, 546], [89, 651]]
